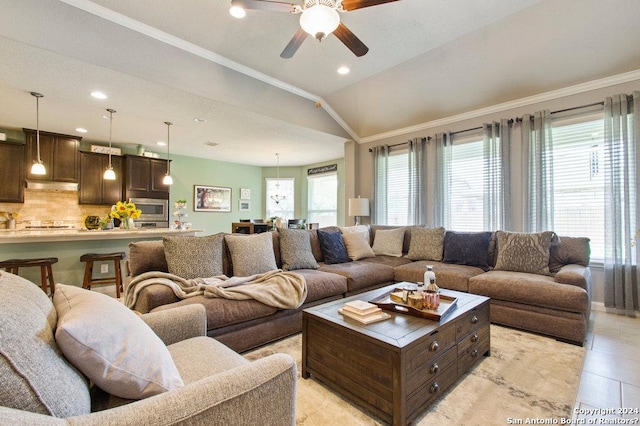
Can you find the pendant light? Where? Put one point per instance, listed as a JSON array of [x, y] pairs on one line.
[[38, 168], [277, 197], [109, 174], [168, 180]]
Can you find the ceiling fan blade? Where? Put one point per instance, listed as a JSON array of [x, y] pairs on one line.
[[294, 44], [275, 6], [359, 4], [350, 40]]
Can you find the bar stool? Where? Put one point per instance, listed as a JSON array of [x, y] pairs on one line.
[[89, 258], [46, 272]]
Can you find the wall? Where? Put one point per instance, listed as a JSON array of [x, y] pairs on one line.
[[362, 159]]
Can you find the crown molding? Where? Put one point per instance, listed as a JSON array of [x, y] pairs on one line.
[[529, 100]]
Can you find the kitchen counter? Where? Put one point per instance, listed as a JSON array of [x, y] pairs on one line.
[[12, 236]]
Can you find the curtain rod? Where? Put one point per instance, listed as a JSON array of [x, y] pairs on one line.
[[601, 103], [428, 138]]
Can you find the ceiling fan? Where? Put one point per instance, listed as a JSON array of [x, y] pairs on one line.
[[318, 18]]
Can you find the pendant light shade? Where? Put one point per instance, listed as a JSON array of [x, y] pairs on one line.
[[168, 180], [38, 167], [319, 21], [109, 174], [277, 197]]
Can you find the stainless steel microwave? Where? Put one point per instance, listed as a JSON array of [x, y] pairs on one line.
[[153, 210]]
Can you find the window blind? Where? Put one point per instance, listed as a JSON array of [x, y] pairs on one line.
[[323, 199], [398, 188]]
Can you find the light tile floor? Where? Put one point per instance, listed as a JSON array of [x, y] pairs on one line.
[[610, 382]]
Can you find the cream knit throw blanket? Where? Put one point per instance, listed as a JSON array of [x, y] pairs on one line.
[[280, 289]]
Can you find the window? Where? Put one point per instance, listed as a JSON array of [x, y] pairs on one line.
[[323, 199], [466, 177], [282, 190], [398, 188], [578, 180]]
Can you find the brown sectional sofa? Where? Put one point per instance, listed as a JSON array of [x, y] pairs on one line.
[[555, 304]]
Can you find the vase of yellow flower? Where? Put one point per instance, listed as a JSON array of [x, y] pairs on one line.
[[125, 212]]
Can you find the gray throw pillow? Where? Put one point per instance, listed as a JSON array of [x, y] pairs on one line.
[[524, 252], [194, 257], [388, 242], [295, 249], [251, 254], [426, 243], [145, 256], [467, 248], [569, 250]]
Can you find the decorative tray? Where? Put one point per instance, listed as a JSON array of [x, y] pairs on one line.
[[446, 304]]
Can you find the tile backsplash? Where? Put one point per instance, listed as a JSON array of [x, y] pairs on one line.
[[48, 206]]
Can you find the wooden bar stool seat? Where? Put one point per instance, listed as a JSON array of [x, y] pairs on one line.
[[89, 258], [46, 271]]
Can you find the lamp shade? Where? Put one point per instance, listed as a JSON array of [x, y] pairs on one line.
[[319, 21], [358, 206]]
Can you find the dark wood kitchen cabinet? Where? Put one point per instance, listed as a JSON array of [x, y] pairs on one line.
[[11, 172], [143, 177], [94, 189], [59, 153]]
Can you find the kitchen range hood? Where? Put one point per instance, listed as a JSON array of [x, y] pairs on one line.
[[52, 185]]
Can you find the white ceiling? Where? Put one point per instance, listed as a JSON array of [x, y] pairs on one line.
[[167, 60]]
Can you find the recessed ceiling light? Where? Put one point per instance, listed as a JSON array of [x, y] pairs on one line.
[[199, 120], [237, 12], [161, 143], [81, 130], [98, 95], [211, 143], [343, 70]]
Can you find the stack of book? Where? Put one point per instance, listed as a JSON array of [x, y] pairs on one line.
[[363, 312]]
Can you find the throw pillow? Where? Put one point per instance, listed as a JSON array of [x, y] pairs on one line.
[[145, 256], [357, 246], [295, 249], [251, 254], [194, 257], [426, 243], [359, 229], [333, 248], [467, 248], [524, 252], [111, 345], [388, 242], [569, 250]]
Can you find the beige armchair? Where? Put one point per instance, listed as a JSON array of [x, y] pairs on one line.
[[220, 386]]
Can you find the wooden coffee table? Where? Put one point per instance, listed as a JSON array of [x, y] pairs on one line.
[[397, 367]]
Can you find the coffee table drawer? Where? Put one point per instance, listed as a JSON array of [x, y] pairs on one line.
[[471, 320], [432, 370], [430, 347], [430, 391], [471, 349]]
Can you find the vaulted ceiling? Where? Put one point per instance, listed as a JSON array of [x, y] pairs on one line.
[[167, 60]]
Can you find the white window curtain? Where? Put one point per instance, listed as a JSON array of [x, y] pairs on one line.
[[497, 175], [537, 150], [443, 183], [417, 214], [380, 167], [622, 156]]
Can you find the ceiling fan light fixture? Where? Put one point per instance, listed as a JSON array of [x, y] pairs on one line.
[[319, 21], [237, 12]]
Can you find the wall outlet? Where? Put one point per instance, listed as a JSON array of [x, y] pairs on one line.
[[104, 268]]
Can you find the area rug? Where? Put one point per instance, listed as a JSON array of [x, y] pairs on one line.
[[527, 376]]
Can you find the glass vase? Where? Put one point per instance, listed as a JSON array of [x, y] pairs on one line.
[[127, 223]]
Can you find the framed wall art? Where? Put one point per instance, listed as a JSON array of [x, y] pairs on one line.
[[244, 205], [245, 194], [211, 198]]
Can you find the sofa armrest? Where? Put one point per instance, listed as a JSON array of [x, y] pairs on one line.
[[152, 296], [577, 275], [179, 323]]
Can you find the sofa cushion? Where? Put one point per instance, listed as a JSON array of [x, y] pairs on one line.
[[145, 256], [357, 246], [448, 275], [333, 248], [426, 243], [321, 285], [467, 248], [388, 260], [34, 375], [295, 250], [257, 247], [361, 275], [530, 289], [194, 257], [389, 242], [111, 345], [569, 250], [524, 252], [358, 229]]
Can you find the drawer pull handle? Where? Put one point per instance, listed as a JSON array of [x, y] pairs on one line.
[[434, 368], [434, 346], [474, 338], [474, 353], [434, 388], [474, 319]]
